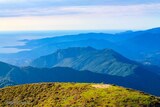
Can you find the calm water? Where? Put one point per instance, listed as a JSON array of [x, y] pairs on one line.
[[12, 38]]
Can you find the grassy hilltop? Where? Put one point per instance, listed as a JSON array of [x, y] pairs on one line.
[[74, 95]]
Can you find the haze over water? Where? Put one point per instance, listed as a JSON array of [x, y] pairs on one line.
[[14, 38]]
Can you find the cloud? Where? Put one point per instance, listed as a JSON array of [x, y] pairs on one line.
[[78, 14], [83, 1], [131, 10], [16, 8], [47, 3]]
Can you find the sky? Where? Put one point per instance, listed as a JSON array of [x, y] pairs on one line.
[[22, 15]]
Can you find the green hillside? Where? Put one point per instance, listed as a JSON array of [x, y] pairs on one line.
[[74, 95]]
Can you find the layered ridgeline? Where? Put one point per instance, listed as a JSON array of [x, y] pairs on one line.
[[105, 61], [141, 46], [141, 80], [12, 75], [77, 95]]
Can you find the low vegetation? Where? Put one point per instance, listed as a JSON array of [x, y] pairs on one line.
[[74, 95]]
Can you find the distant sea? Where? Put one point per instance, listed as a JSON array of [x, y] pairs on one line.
[[13, 38]]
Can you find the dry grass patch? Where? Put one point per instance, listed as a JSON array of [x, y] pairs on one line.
[[101, 85]]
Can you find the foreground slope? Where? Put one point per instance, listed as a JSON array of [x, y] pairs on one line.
[[76, 95]]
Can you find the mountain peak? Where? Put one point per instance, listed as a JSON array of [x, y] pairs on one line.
[[77, 48], [105, 61]]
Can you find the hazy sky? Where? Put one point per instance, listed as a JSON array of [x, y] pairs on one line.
[[78, 14]]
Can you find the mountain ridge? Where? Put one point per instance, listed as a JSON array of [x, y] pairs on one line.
[[128, 44], [88, 58], [26, 75]]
